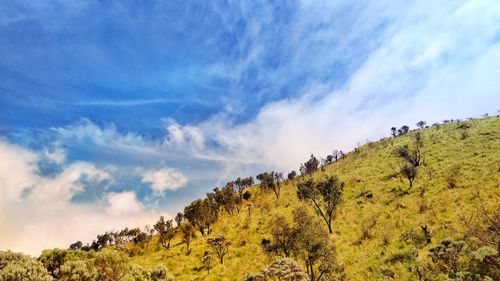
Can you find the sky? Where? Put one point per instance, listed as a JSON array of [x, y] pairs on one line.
[[113, 113]]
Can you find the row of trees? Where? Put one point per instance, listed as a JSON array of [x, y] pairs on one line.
[[405, 129], [109, 238], [201, 214]]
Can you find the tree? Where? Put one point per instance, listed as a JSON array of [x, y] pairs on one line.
[[283, 236], [207, 261], [271, 181], [220, 245], [230, 197], [166, 231], [394, 131], [291, 175], [421, 124], [19, 267], [410, 172], [179, 218], [314, 247], [403, 130], [413, 157], [310, 166], [52, 260], [76, 246], [325, 196], [142, 238], [103, 240], [241, 186], [201, 213], [187, 235]]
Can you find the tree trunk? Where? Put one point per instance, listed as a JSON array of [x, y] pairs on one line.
[[312, 270]]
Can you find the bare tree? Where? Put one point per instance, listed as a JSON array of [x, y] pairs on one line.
[[220, 245]]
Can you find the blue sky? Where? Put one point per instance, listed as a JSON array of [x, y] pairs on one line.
[[126, 110]]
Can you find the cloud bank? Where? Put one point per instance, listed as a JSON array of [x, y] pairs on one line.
[[38, 212]]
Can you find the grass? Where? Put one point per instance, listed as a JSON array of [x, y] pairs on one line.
[[378, 207]]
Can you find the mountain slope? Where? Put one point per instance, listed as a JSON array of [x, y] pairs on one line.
[[378, 207]]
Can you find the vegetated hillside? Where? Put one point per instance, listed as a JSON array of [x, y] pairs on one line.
[[445, 225], [462, 162]]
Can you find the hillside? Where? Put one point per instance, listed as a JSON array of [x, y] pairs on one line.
[[391, 211], [378, 212]]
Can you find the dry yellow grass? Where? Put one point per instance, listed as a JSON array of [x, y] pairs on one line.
[[382, 217]]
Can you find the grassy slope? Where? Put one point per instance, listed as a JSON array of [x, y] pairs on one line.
[[367, 170]]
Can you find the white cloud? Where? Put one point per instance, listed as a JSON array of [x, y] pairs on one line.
[[435, 61], [17, 172], [37, 212], [180, 137], [123, 203], [62, 187], [164, 179]]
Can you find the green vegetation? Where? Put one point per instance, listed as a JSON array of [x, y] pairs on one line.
[[420, 205]]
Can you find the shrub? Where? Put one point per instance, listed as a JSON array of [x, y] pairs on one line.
[[19, 267], [452, 177], [78, 270], [110, 265], [285, 269], [446, 254]]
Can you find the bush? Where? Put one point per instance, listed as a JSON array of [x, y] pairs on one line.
[[19, 267], [401, 257], [111, 265], [78, 270]]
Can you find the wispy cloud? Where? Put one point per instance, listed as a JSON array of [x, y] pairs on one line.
[[417, 70], [123, 103]]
